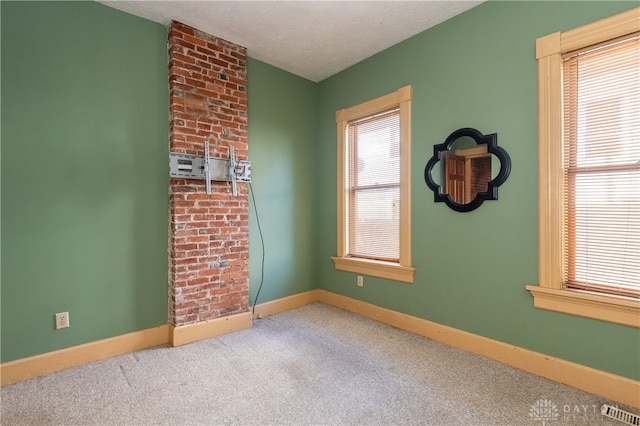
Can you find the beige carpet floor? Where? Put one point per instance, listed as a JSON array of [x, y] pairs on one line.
[[316, 365]]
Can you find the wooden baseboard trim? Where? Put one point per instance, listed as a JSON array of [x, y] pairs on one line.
[[190, 333], [50, 362], [611, 386], [286, 303]]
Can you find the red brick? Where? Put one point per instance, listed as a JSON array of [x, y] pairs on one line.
[[208, 101], [215, 47], [195, 40], [182, 28], [177, 56]]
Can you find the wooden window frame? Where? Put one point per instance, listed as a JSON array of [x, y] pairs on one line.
[[402, 270], [549, 293]]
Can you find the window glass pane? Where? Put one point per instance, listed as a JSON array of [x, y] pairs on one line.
[[375, 228], [602, 168], [606, 229], [374, 187], [376, 147]]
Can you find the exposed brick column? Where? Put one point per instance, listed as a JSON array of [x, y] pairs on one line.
[[209, 234]]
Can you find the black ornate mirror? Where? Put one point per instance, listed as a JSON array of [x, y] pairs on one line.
[[472, 167]]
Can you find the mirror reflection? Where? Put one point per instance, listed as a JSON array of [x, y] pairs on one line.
[[467, 169]]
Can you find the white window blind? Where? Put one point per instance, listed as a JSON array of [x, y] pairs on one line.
[[601, 238], [373, 170]]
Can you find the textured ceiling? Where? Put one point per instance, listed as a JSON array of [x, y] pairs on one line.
[[312, 39]]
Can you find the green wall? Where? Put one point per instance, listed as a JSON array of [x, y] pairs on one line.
[[84, 174], [84, 178], [475, 70], [282, 129]]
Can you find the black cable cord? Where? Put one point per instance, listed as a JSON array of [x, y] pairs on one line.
[[255, 207]]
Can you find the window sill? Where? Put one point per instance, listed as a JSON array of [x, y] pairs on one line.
[[391, 271], [616, 309]]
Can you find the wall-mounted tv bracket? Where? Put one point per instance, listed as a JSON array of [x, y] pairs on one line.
[[203, 167]]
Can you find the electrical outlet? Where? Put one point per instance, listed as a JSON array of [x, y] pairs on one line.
[[360, 281], [62, 320]]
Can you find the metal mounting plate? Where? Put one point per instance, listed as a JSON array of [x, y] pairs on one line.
[[189, 166]]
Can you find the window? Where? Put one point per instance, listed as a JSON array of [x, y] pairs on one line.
[[589, 170], [374, 218], [602, 168]]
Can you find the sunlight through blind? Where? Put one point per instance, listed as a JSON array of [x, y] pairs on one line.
[[373, 171], [602, 168]]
